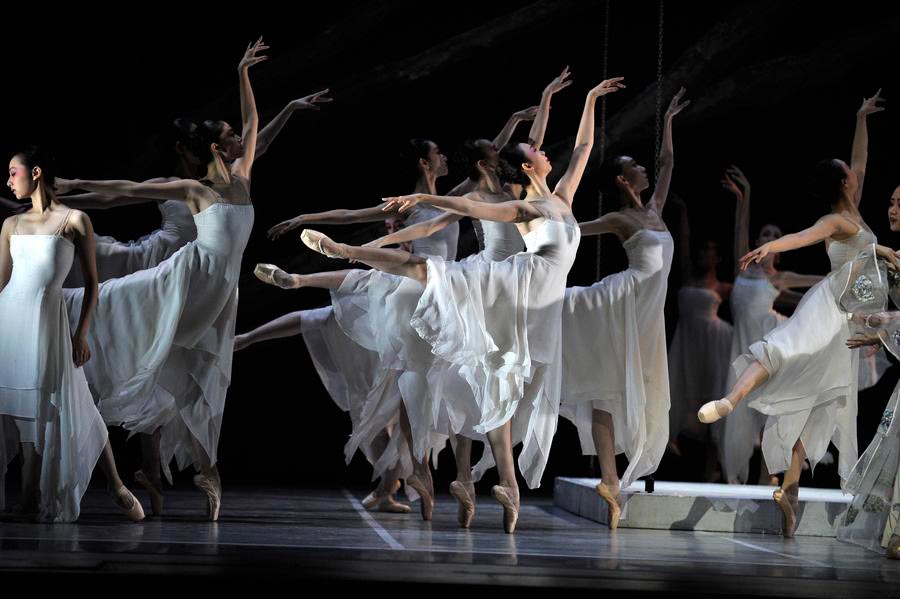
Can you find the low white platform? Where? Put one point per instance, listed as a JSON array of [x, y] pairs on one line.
[[707, 507]]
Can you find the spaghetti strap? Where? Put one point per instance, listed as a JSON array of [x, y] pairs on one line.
[[62, 227], [16, 226]]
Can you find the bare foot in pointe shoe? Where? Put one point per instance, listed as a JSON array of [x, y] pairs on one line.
[[323, 244], [425, 489], [212, 486], [389, 504], [610, 494], [375, 496], [788, 506], [464, 492], [154, 488], [128, 503], [271, 274], [712, 411], [508, 497]]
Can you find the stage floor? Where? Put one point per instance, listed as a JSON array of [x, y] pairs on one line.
[[322, 535]]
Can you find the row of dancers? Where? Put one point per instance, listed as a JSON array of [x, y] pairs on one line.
[[420, 348]]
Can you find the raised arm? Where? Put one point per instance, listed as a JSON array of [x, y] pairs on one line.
[[5, 254], [249, 117], [539, 127], [860, 153], [183, 190], [98, 201], [85, 245], [737, 184], [667, 153], [417, 231], [514, 211], [827, 226], [684, 240], [339, 216], [510, 127], [271, 131], [584, 140]]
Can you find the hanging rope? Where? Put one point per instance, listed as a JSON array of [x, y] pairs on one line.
[[659, 68], [603, 120]]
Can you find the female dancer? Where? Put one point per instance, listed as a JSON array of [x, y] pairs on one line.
[[802, 375], [498, 323], [42, 385], [625, 392]]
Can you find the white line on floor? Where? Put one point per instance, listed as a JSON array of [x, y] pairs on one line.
[[752, 546], [367, 517]]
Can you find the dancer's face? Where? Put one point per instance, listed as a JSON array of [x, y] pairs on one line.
[[21, 179], [768, 233], [393, 224], [230, 143], [536, 159], [635, 174], [894, 210], [435, 161]]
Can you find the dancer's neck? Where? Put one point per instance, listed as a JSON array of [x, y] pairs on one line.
[[427, 183]]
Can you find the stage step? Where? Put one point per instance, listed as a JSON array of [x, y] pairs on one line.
[[707, 507]]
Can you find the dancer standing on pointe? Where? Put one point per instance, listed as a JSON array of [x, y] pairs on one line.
[[752, 299], [627, 391], [173, 369], [42, 384], [498, 323], [801, 375]]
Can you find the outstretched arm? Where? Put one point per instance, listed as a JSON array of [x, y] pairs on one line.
[[339, 216], [179, 189], [860, 153], [271, 131], [12, 206], [87, 201], [514, 211], [827, 226], [667, 154], [584, 141], [539, 127], [736, 183], [249, 116], [417, 231]]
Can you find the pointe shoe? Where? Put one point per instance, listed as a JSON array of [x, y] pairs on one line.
[[128, 504], [390, 505], [893, 547], [788, 515], [426, 494], [373, 499], [465, 495], [212, 486], [510, 503], [711, 411], [156, 496], [271, 274], [313, 240], [612, 503]]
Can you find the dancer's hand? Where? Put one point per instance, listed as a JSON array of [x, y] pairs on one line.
[[735, 182], [863, 340], [240, 342], [559, 83], [250, 57], [607, 87], [755, 256], [870, 105], [310, 102], [528, 114], [284, 227], [81, 352], [65, 185], [676, 105], [889, 256], [401, 203]]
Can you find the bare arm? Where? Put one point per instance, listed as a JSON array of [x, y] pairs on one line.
[[249, 116], [339, 216], [510, 127], [183, 190], [539, 127], [735, 182], [684, 241], [417, 231], [667, 154], [826, 227], [608, 223], [6, 264], [513, 211], [10, 205], [860, 153], [86, 201], [85, 246], [271, 131], [584, 141]]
